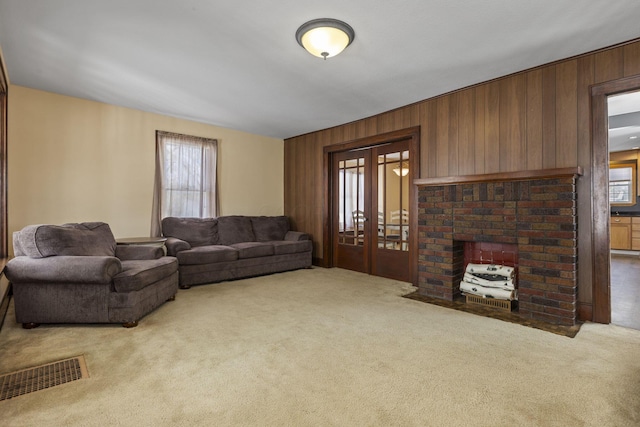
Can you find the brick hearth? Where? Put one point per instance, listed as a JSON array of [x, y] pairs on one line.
[[534, 210]]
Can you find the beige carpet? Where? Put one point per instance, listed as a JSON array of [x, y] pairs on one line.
[[325, 348]]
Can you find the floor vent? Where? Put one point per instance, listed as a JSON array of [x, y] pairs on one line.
[[41, 377]]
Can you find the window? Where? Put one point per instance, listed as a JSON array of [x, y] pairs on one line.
[[622, 183], [185, 182]]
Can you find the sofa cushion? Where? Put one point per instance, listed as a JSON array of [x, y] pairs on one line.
[[207, 255], [138, 274], [291, 247], [253, 249], [195, 231], [234, 229], [268, 228], [77, 239]]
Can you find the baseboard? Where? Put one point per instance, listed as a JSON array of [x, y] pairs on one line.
[[319, 262]]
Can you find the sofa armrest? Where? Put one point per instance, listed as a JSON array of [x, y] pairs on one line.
[[296, 236], [63, 269], [134, 252], [175, 245]]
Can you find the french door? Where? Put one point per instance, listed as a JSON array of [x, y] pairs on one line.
[[371, 210]]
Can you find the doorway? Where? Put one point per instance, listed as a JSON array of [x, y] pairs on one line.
[[372, 205], [602, 218], [623, 112], [371, 210]]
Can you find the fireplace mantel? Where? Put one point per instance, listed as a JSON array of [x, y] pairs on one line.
[[499, 177]]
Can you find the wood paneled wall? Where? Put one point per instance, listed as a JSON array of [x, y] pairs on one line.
[[536, 119]]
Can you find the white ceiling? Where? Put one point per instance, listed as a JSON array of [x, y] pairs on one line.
[[624, 121], [237, 64]]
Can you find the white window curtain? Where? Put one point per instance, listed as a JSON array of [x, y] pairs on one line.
[[185, 182], [353, 195]]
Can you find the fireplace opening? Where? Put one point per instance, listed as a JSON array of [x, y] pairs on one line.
[[490, 272]]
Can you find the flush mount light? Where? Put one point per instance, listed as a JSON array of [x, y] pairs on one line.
[[325, 37], [402, 170]]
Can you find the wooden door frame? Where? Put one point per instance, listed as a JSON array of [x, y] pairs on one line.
[[601, 266], [413, 135]]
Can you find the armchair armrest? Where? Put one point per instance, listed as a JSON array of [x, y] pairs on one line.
[[65, 269], [296, 236], [175, 245], [134, 252]]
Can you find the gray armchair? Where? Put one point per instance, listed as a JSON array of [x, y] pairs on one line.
[[75, 273]]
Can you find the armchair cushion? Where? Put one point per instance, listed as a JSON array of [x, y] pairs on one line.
[[195, 231], [89, 238], [138, 274]]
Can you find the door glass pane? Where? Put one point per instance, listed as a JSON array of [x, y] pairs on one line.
[[351, 201], [381, 217], [393, 201]]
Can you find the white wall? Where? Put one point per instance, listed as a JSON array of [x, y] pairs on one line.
[[73, 160]]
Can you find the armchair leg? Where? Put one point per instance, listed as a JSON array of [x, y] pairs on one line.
[[172, 298], [30, 325], [130, 324], [185, 286]]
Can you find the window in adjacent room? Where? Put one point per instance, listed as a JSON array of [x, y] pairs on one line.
[[622, 183], [185, 180]]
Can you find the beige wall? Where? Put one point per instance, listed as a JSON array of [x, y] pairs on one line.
[[73, 160]]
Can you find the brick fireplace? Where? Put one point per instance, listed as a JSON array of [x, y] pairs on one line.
[[533, 211]]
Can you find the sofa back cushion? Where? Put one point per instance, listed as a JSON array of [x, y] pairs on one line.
[[234, 229], [77, 239], [270, 228], [195, 231]]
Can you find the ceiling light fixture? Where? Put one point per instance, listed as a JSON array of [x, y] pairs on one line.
[[325, 37], [402, 170]]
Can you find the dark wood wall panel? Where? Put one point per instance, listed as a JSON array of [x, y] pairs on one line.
[[609, 65], [442, 143], [480, 131], [466, 133], [428, 138], [512, 140], [631, 59], [492, 128], [567, 114], [549, 117], [536, 119]]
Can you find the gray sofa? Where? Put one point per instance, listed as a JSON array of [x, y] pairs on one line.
[[75, 273], [232, 247]]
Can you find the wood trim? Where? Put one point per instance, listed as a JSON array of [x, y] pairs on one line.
[[601, 266], [4, 121], [503, 176]]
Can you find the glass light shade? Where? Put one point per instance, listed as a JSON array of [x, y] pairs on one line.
[[403, 170], [325, 38]]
